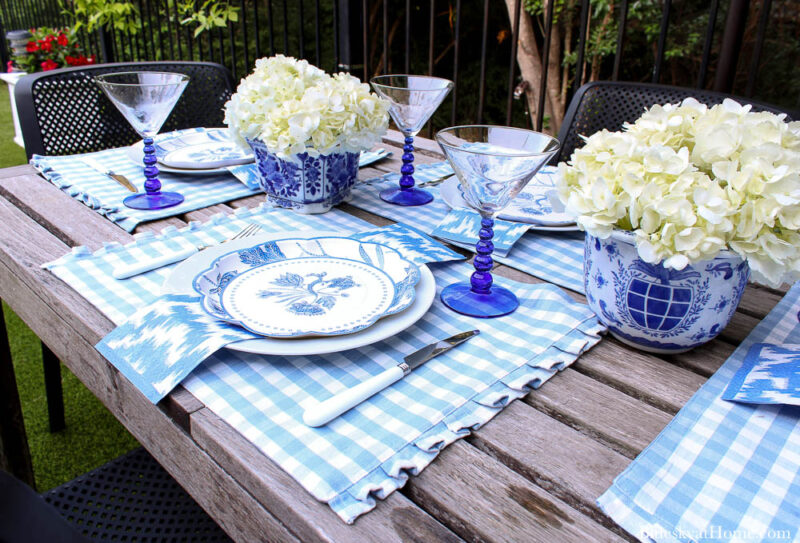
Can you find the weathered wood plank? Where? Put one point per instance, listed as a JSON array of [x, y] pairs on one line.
[[482, 500], [156, 227], [396, 518], [758, 301], [17, 171], [567, 463], [623, 423], [705, 359], [202, 215], [47, 205], [640, 375]]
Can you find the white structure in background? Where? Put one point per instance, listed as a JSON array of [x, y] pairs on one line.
[[11, 80]]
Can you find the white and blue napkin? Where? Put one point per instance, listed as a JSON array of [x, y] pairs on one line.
[[770, 374], [462, 226]]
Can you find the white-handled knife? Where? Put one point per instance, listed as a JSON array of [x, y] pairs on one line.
[[327, 410]]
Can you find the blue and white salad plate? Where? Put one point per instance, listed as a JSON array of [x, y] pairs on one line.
[[201, 150], [296, 287], [533, 205]]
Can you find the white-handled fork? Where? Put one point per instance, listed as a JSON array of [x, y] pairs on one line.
[[132, 270]]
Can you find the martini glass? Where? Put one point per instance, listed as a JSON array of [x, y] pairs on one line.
[[413, 100], [493, 164], [146, 100]]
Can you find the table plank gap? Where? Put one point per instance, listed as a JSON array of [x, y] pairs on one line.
[[482, 500], [619, 421], [574, 467], [156, 227]]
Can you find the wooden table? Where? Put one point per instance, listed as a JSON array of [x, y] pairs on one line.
[[531, 474]]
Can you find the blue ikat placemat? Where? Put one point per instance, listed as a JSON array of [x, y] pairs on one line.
[[370, 451], [721, 470], [556, 257]]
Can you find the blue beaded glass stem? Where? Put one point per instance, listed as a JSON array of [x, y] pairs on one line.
[[152, 184], [407, 194], [407, 179], [481, 278], [153, 198], [479, 298]]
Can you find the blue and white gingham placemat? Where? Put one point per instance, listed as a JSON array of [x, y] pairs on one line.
[[371, 450], [105, 195], [721, 470], [556, 257]]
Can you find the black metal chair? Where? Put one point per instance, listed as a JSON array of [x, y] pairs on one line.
[[63, 112], [129, 499], [610, 104]]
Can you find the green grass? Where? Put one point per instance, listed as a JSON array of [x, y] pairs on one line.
[[93, 436]]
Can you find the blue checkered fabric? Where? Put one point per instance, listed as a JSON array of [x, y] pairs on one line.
[[721, 470], [556, 257], [371, 450], [104, 195]]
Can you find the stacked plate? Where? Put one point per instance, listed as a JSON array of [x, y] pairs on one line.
[[204, 151], [537, 204], [307, 294]]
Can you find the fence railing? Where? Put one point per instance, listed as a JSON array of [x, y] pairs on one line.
[[494, 50]]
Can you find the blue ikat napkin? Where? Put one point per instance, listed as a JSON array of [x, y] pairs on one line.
[[770, 374], [720, 471], [462, 226], [556, 257], [104, 195]]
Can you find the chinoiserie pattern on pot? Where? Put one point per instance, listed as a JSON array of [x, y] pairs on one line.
[[305, 183], [656, 308]]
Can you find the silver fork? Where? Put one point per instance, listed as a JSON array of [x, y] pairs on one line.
[[249, 230]]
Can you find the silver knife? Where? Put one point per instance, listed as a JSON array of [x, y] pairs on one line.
[[325, 411], [98, 167]]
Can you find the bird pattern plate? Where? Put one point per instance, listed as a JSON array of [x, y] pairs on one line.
[[201, 150], [307, 287]]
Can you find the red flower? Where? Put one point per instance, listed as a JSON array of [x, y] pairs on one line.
[[62, 39], [48, 65], [10, 66], [32, 47], [71, 61], [79, 61], [46, 46], [49, 38]]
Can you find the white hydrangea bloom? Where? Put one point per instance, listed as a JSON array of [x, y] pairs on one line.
[[690, 181], [294, 107]]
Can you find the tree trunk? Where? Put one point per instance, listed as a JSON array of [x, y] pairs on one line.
[[530, 65]]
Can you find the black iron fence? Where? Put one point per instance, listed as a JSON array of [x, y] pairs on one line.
[[513, 61]]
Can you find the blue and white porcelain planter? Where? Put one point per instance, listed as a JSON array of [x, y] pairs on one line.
[[655, 308], [306, 184]]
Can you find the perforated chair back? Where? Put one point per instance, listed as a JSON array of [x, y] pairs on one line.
[[610, 104], [64, 112]]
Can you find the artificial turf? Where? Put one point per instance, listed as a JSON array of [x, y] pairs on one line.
[[92, 436]]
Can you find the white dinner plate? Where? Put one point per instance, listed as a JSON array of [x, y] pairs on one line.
[[135, 154], [181, 278], [450, 191]]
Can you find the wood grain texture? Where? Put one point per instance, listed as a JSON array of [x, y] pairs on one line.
[[568, 464], [482, 500], [623, 423]]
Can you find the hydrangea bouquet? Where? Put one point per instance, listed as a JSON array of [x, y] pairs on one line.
[[690, 182], [294, 108]]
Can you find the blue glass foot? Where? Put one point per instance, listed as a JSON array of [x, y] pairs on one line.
[[407, 197], [155, 200], [461, 298]]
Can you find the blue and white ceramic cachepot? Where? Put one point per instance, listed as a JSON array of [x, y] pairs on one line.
[[655, 308], [306, 184]]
